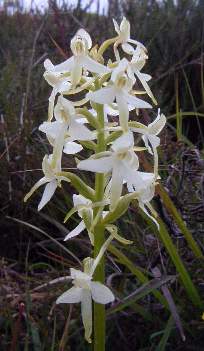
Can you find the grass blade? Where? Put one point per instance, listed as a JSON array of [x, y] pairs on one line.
[[141, 292], [178, 114], [186, 114], [179, 221], [167, 331], [137, 272], [172, 306], [184, 275], [169, 205], [47, 235]]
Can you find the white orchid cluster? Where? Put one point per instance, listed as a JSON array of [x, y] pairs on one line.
[[100, 121]]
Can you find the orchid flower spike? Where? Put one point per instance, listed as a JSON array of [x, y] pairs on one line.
[[119, 90], [114, 153], [80, 45], [124, 39], [50, 178]]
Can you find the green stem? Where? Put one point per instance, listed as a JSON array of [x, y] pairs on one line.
[[99, 310], [99, 275]]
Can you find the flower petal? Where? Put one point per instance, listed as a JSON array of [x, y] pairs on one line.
[[129, 49], [124, 30], [65, 66], [141, 183], [64, 87], [71, 148], [154, 140], [123, 111], [51, 104], [157, 125], [132, 41], [120, 69], [80, 200], [124, 142], [48, 193], [103, 95], [86, 311], [116, 26], [78, 131], [101, 165], [94, 66], [48, 65], [76, 72], [40, 182], [76, 231], [72, 295], [78, 275], [47, 168], [101, 293], [137, 103], [146, 194], [84, 35], [51, 129], [116, 185], [143, 79]]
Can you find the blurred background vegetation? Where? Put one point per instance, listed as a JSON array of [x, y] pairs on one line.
[[31, 244]]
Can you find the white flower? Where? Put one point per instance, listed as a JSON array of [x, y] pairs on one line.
[[144, 189], [150, 138], [50, 178], [134, 69], [80, 44], [122, 162], [84, 205], [151, 131], [67, 128], [84, 290], [141, 182], [60, 83], [124, 38], [144, 197], [119, 91]]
